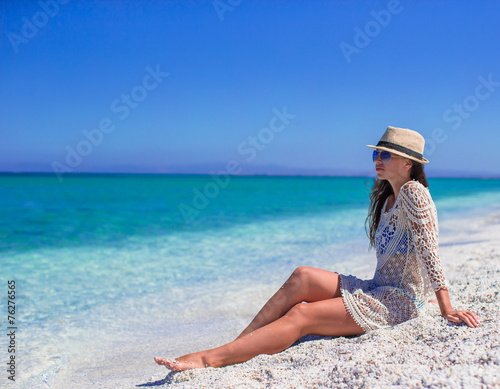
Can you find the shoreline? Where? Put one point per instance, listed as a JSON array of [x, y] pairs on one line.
[[426, 351]]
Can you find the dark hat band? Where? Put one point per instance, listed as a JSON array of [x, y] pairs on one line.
[[402, 149]]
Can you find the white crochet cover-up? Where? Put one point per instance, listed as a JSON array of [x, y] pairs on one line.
[[408, 265]]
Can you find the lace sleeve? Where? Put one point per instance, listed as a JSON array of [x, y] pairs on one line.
[[422, 218]]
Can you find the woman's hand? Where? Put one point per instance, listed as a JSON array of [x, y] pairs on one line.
[[467, 317], [443, 299]]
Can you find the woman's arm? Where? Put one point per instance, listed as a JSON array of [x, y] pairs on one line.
[[421, 212], [449, 313]]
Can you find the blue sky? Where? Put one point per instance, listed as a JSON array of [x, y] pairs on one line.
[[278, 87]]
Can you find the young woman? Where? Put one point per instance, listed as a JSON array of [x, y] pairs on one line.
[[404, 230]]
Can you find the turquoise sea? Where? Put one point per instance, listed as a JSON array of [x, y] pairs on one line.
[[103, 262]]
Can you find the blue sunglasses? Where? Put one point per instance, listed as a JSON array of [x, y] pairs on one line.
[[385, 156]]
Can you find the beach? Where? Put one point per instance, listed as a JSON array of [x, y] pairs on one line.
[[425, 352], [108, 276]]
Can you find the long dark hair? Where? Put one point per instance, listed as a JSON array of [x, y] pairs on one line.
[[380, 191]]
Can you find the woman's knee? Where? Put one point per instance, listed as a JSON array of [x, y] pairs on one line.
[[299, 280], [307, 276], [298, 310], [299, 315], [303, 273], [298, 271]]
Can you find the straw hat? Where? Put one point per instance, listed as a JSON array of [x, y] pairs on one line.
[[403, 142]]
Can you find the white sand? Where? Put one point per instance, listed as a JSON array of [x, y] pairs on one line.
[[424, 352]]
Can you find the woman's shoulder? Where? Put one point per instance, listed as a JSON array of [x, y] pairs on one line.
[[413, 186], [416, 194]]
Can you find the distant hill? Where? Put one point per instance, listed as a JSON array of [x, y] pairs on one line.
[[221, 168]]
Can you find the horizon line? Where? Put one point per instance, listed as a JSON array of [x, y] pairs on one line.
[[27, 173]]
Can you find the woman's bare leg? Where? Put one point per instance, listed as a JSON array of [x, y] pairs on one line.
[[305, 284], [327, 317]]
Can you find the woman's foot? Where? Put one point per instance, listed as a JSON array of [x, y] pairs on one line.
[[191, 361]]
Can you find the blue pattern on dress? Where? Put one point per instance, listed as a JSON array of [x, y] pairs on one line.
[[385, 238]]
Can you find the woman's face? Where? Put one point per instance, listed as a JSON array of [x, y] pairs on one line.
[[397, 169]]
